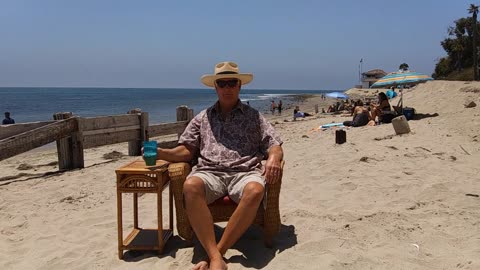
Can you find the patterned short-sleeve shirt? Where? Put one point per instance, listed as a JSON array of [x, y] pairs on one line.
[[236, 143]]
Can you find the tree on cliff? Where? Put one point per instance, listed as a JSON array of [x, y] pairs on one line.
[[403, 67], [474, 11], [459, 46]]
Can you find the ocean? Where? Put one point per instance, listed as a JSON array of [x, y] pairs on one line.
[[30, 104]]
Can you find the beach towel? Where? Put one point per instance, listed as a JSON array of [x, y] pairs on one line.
[[332, 125]]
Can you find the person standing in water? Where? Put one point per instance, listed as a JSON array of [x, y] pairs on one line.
[[273, 107]]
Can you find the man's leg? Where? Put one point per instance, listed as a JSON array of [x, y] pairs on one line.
[[243, 216], [202, 222]]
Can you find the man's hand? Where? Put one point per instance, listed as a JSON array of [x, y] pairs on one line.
[[273, 171], [273, 168]]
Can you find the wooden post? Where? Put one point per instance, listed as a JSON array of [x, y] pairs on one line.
[[190, 115], [184, 114], [144, 127], [64, 149], [135, 147], [316, 108], [77, 145]]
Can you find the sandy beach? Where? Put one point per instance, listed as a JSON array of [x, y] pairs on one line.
[[378, 201]]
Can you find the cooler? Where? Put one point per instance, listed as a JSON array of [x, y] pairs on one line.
[[409, 113]]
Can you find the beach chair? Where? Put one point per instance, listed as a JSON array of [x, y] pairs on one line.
[[268, 214], [387, 116], [399, 108]]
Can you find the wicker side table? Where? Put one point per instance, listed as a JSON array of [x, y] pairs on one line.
[[136, 177]]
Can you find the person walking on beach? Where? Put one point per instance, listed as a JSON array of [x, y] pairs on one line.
[[273, 107], [229, 139], [8, 120], [279, 107]]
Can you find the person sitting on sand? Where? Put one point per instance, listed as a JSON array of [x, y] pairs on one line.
[[340, 105], [332, 108], [380, 109], [361, 117], [230, 140], [358, 102]]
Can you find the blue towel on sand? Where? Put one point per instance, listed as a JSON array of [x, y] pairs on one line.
[[332, 125]]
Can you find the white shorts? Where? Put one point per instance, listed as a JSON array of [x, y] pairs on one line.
[[219, 184]]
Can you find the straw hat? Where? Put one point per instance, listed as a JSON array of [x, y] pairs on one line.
[[226, 70]]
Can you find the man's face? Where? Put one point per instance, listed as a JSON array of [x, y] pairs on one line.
[[228, 89]]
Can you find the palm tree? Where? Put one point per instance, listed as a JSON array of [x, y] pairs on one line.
[[474, 11]]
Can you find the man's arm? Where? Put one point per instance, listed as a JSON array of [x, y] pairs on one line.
[[178, 154], [275, 153]]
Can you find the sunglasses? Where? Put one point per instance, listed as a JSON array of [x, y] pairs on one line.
[[224, 83]]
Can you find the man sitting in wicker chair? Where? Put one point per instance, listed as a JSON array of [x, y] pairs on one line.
[[230, 140]]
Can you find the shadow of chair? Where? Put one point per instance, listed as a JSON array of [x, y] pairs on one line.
[[250, 251], [268, 216], [419, 116]]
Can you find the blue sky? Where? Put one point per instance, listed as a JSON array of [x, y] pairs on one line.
[[286, 44]]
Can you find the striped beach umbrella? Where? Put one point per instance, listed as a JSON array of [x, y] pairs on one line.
[[401, 78]]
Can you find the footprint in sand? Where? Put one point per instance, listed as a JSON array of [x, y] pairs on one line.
[[302, 213], [322, 246], [349, 186]]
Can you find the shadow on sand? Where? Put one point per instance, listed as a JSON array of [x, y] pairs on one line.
[[254, 252], [174, 244], [420, 116]]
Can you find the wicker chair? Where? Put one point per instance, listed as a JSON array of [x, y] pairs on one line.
[[268, 216]]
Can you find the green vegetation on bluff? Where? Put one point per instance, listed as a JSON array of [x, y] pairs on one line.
[[459, 45]]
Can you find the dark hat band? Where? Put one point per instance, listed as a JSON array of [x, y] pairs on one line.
[[227, 72]]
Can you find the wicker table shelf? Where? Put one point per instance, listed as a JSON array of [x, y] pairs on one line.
[[136, 178]]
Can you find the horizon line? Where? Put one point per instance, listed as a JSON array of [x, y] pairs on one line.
[[105, 87]]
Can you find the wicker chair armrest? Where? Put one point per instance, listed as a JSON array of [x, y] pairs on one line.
[[179, 169], [272, 221], [178, 173], [273, 191]]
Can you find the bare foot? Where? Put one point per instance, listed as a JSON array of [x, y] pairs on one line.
[[203, 265], [218, 264]]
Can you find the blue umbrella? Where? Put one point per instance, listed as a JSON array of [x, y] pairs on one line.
[[337, 95]]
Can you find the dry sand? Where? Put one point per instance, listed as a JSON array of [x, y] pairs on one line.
[[379, 201]]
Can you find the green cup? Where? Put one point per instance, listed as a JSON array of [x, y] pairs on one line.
[[150, 152]]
